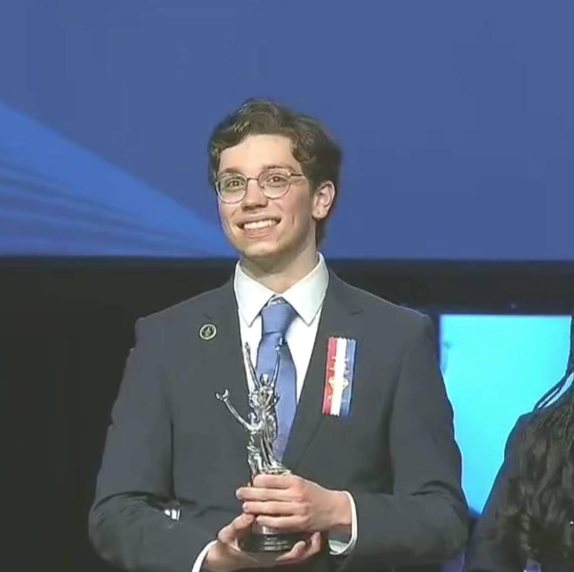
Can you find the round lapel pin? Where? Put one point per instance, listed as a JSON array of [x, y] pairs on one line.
[[207, 332]]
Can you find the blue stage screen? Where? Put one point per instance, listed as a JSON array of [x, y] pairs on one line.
[[456, 119], [495, 369]]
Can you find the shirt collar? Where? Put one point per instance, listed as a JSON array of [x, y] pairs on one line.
[[306, 296]]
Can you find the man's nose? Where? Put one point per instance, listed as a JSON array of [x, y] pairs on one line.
[[254, 194]]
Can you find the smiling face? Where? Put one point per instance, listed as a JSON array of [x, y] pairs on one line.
[[273, 234]]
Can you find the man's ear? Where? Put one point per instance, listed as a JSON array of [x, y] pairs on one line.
[[323, 198]]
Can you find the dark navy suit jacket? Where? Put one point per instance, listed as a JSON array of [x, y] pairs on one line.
[[170, 438]]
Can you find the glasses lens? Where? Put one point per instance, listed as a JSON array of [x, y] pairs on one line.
[[231, 188], [275, 182]]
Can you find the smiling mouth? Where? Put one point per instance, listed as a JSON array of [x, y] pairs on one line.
[[259, 224]]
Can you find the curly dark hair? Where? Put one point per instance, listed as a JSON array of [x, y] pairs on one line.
[[538, 514], [313, 146]]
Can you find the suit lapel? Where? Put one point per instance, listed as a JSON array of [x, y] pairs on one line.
[[338, 318], [224, 357]]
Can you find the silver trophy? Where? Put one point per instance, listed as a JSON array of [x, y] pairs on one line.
[[261, 426]]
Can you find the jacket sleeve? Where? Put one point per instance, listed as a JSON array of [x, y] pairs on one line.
[[127, 524], [425, 519]]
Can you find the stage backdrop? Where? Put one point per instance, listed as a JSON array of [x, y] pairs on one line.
[[495, 369], [456, 119]]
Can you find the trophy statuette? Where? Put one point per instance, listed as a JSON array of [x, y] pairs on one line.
[[261, 427]]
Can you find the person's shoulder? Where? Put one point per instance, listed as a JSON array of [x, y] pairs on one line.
[[207, 302], [516, 435], [380, 310]]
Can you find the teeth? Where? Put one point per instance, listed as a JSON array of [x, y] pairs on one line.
[[259, 224]]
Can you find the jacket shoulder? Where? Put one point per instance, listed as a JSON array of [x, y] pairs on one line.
[[380, 309], [199, 305]]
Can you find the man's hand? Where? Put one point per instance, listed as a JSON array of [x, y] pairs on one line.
[[226, 556], [291, 503]]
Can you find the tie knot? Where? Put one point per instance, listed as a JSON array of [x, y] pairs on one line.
[[277, 317]]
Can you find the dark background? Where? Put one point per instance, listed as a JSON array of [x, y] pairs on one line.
[[66, 327]]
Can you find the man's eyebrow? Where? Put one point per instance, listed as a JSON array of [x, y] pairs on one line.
[[267, 167], [229, 170], [279, 166]]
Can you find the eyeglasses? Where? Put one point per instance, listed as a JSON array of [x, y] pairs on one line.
[[274, 183]]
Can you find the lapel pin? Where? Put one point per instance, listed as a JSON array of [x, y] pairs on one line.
[[207, 332]]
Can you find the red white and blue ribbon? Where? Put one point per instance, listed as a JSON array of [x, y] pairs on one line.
[[339, 376]]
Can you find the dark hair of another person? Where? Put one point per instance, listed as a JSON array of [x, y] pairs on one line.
[[313, 146], [539, 512]]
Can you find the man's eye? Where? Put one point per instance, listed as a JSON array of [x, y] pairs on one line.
[[233, 184], [277, 179]]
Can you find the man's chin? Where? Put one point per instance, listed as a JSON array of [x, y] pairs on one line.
[[264, 254], [260, 253]]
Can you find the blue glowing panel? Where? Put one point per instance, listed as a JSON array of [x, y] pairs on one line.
[[455, 117], [495, 369]]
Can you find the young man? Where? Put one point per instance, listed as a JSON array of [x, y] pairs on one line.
[[375, 469]]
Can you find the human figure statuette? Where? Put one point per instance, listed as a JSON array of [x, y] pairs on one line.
[[261, 426]]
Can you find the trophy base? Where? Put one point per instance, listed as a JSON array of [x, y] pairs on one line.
[[268, 541]]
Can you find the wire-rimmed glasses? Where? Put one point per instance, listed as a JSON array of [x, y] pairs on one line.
[[274, 183]]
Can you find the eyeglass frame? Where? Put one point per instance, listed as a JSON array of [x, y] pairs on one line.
[[261, 187]]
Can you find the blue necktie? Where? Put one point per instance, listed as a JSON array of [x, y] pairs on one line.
[[276, 318]]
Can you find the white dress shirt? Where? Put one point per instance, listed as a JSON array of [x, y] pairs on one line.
[[306, 297]]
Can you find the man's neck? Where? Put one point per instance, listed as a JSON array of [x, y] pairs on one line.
[[278, 276]]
